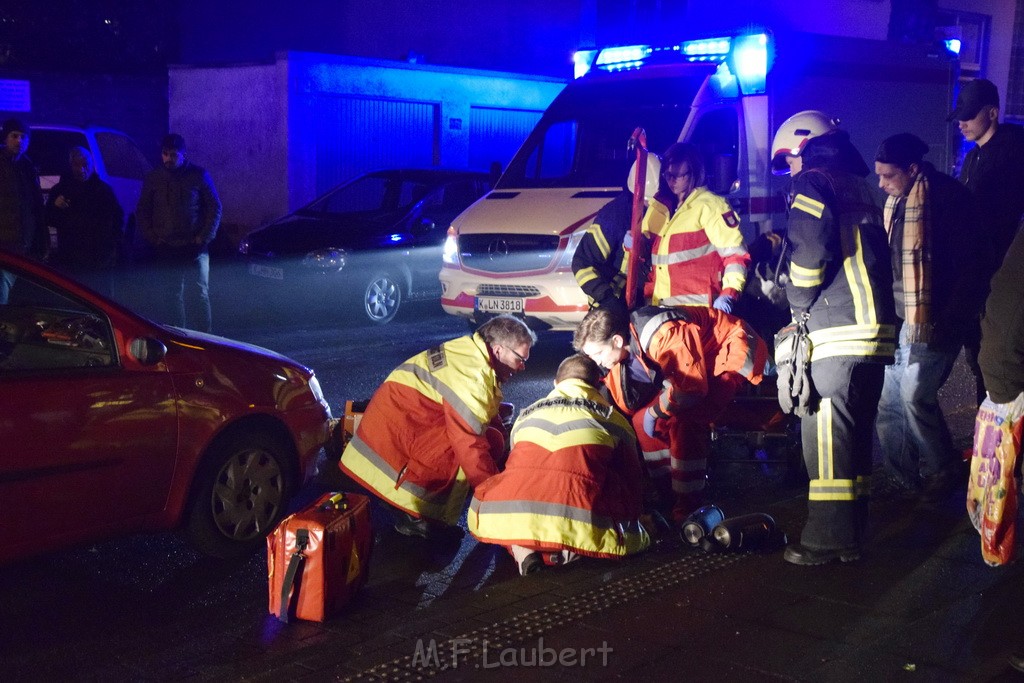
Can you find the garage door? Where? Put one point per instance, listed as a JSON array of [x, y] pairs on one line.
[[495, 134], [357, 134]]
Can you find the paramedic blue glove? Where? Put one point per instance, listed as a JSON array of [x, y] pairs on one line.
[[649, 420], [724, 303]]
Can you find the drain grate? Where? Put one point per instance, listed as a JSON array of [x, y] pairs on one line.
[[466, 650]]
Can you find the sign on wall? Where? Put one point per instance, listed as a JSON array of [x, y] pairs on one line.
[[15, 95]]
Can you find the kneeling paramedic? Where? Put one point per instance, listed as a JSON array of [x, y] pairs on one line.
[[573, 481], [428, 433], [673, 371]]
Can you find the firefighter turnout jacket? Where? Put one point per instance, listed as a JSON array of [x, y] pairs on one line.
[[572, 482], [839, 267], [697, 251], [422, 441], [599, 263]]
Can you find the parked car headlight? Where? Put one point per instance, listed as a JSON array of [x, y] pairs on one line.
[[329, 259]]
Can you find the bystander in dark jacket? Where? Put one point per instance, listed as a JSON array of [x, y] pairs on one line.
[[178, 214], [1002, 328], [22, 229], [994, 171], [89, 222]]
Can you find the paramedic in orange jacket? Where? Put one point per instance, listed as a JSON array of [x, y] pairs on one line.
[[424, 440], [572, 485], [673, 371], [697, 249]]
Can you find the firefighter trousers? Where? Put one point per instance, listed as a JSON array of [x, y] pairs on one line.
[[837, 440], [676, 459]]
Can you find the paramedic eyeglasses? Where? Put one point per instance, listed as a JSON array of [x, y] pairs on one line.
[[514, 353], [672, 177]]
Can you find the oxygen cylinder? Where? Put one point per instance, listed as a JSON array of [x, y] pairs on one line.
[[700, 523], [746, 532]]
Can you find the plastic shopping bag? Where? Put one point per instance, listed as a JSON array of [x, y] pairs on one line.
[[991, 491]]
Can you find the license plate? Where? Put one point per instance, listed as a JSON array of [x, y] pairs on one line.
[[266, 271], [497, 304]]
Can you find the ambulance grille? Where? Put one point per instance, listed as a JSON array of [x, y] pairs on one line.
[[508, 252], [524, 291]]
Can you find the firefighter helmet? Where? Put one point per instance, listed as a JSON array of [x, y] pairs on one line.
[[652, 178], [794, 133]]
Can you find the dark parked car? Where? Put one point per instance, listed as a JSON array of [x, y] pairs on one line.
[[111, 423], [367, 245]]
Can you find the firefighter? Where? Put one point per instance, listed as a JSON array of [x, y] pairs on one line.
[[697, 249], [600, 262], [841, 284], [573, 481], [673, 371], [426, 436]]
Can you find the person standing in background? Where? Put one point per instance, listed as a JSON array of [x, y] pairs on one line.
[[178, 215], [22, 228], [697, 251], [89, 223], [994, 171], [933, 234]]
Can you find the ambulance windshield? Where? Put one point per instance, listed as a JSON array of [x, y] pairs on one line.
[[581, 141]]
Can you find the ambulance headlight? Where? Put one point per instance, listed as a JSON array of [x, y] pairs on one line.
[[450, 250]]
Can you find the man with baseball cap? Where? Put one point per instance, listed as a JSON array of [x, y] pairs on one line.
[[994, 171]]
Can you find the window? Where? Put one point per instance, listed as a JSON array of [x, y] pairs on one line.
[[717, 137], [48, 149], [44, 329], [121, 156]]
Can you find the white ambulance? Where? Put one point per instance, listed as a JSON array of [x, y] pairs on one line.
[[511, 251]]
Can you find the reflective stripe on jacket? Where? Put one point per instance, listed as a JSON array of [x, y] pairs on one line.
[[573, 480], [697, 251], [421, 443], [599, 264], [839, 269]]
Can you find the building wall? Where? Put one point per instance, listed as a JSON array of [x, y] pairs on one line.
[[276, 136], [1001, 38], [136, 105], [234, 121]]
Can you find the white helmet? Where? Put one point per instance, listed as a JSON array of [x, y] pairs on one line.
[[794, 133], [652, 178]]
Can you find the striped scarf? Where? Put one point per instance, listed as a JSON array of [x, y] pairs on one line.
[[916, 258]]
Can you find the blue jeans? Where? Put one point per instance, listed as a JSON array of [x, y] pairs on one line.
[[185, 282], [915, 439]]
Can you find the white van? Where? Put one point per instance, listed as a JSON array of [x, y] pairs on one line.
[[511, 251], [119, 161]]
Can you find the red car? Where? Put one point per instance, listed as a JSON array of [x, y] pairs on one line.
[[110, 423]]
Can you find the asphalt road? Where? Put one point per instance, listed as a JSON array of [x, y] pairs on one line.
[[138, 607], [149, 607]]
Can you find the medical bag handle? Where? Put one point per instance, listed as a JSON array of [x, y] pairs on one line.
[[297, 558]]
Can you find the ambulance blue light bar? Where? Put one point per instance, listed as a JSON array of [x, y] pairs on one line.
[[706, 50], [749, 60], [748, 55]]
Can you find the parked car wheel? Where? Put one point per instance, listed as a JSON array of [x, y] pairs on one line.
[[382, 298], [241, 493]]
